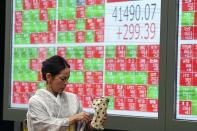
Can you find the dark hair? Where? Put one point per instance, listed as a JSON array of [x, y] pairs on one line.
[[53, 65]]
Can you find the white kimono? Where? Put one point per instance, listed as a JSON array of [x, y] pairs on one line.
[[49, 113]]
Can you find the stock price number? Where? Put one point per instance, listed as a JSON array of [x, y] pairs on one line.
[[134, 12], [137, 31]]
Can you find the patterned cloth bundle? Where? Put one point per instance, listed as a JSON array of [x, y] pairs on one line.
[[100, 107]]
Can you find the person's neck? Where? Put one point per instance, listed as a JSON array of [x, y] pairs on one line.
[[50, 89]]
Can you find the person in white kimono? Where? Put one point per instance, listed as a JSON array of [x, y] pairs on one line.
[[52, 109]]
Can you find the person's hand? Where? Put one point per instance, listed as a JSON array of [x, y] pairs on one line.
[[83, 116]]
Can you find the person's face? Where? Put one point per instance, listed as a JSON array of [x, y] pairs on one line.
[[58, 82]]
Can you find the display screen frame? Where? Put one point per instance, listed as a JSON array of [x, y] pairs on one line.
[[186, 89], [113, 121], [172, 123], [15, 114]]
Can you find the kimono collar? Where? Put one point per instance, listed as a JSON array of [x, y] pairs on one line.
[[45, 93]]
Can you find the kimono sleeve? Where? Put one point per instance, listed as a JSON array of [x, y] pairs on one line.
[[38, 119], [80, 109]]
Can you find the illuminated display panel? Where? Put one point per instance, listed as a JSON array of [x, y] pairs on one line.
[[111, 45], [187, 61]]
